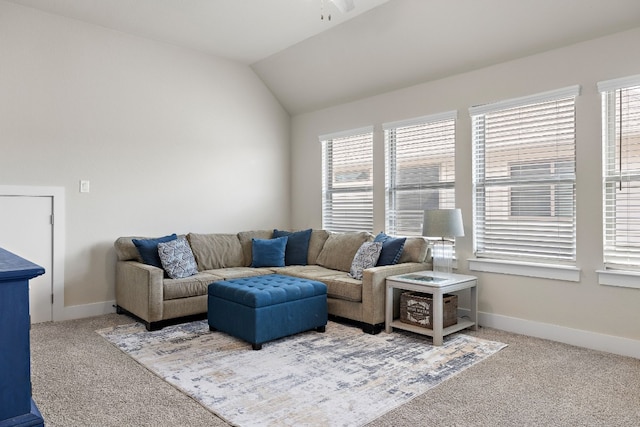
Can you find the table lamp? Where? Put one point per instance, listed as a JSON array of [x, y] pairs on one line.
[[443, 223]]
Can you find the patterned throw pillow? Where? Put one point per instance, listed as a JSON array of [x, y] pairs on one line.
[[177, 258], [366, 257]]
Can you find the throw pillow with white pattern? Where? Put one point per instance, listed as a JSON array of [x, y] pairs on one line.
[[177, 258], [366, 257]]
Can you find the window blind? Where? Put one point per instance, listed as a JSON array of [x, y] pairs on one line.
[[347, 180], [524, 177], [420, 170], [621, 170]]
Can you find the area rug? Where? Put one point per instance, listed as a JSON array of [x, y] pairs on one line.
[[342, 377]]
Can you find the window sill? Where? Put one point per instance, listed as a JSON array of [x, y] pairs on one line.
[[619, 278], [528, 269]]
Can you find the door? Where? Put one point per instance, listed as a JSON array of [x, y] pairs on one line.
[[26, 229]]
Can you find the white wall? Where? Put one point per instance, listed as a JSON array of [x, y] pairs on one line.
[[509, 299], [172, 140]]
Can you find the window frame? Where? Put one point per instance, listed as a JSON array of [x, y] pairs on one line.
[[331, 192], [399, 221], [613, 175], [481, 184]]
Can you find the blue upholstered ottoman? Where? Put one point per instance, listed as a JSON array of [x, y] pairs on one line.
[[263, 308]]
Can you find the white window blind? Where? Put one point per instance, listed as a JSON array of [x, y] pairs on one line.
[[621, 169], [524, 177], [347, 180], [419, 172]]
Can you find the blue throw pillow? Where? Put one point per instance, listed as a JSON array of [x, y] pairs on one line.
[[148, 249], [391, 249], [268, 252], [297, 246]]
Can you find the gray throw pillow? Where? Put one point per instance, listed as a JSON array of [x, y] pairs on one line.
[[366, 257], [177, 258]]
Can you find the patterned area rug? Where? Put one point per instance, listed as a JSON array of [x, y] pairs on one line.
[[342, 377]]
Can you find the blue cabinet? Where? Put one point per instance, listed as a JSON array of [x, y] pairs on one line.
[[16, 405]]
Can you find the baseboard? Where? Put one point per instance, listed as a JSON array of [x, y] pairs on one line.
[[88, 310], [577, 337]]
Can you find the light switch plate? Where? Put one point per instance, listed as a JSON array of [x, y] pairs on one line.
[[84, 186]]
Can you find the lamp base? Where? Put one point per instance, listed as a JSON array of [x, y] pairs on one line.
[[442, 256]]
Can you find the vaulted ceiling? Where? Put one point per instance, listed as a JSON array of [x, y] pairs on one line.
[[311, 63]]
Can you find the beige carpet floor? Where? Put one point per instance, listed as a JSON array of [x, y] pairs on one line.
[[79, 379]]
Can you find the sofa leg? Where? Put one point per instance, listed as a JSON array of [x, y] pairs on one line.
[[150, 326], [372, 329], [212, 329], [256, 346], [367, 328], [322, 328], [153, 326]]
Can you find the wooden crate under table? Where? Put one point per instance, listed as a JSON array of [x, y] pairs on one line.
[[417, 309]]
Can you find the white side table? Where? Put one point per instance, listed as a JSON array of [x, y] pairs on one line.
[[437, 284]]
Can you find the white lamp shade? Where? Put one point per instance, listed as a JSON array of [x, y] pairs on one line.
[[443, 223]]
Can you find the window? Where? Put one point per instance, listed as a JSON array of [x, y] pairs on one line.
[[621, 169], [541, 200], [420, 170], [529, 200], [524, 178], [347, 180]]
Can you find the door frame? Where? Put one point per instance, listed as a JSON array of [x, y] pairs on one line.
[[57, 195]]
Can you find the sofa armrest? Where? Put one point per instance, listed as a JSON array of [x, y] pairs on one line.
[[139, 289], [374, 287]]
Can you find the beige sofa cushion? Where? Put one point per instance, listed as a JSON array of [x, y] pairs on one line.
[[216, 250], [415, 250], [316, 243], [311, 272], [126, 250], [245, 241], [238, 272], [340, 248], [187, 286], [343, 286]]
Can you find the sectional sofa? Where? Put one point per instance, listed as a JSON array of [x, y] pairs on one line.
[[144, 288]]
